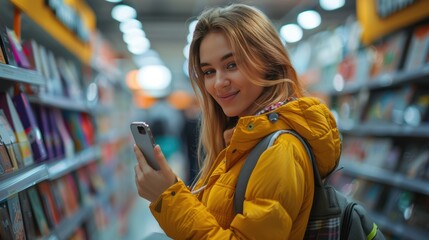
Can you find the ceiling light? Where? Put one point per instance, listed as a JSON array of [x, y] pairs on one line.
[[133, 34], [192, 25], [154, 77], [113, 1], [122, 12], [309, 19], [130, 24], [329, 5], [139, 46], [186, 50], [291, 33]]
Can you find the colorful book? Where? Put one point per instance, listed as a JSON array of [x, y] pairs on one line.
[[59, 202], [13, 118], [31, 50], [29, 123], [5, 224], [48, 203], [6, 47], [69, 146], [5, 161], [57, 88], [2, 58], [87, 128], [27, 215], [45, 128], [56, 138], [18, 52], [16, 218], [419, 48], [47, 88], [37, 210], [74, 127], [7, 136]]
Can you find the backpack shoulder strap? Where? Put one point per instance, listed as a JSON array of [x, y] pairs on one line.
[[252, 159], [247, 169]]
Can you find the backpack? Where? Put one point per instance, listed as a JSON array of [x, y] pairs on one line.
[[333, 215]]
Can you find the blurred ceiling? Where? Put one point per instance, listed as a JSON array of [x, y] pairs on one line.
[[165, 23]]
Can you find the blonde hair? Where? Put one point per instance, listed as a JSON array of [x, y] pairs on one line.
[[258, 48]]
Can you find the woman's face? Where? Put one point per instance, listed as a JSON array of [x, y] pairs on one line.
[[222, 78]]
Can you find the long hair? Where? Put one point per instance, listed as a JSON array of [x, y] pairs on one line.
[[258, 48]]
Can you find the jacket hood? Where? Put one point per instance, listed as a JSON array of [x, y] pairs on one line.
[[307, 116]]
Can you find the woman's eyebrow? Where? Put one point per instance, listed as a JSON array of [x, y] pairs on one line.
[[223, 58]]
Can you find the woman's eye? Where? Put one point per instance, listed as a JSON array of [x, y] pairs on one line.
[[231, 66], [208, 72]]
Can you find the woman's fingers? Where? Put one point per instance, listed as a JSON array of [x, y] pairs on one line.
[[160, 158], [140, 158], [151, 183]]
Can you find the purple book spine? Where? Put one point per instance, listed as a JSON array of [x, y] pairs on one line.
[[26, 115], [43, 121], [56, 139]]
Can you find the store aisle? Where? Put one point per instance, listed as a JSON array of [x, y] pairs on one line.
[[141, 224]]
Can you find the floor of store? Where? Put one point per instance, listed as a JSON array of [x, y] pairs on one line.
[[142, 225]]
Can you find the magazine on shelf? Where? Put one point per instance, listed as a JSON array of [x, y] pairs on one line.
[[31, 50], [6, 165], [48, 202], [58, 145], [37, 210], [13, 118], [8, 138], [2, 58], [5, 224], [59, 202], [418, 52], [6, 47], [57, 88], [17, 50], [66, 139], [16, 219], [46, 130], [27, 215], [29, 123]]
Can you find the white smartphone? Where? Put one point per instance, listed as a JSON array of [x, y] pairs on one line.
[[145, 142]]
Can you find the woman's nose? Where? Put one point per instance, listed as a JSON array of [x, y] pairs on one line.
[[221, 80]]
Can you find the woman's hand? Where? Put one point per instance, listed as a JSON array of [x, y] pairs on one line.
[[151, 183]]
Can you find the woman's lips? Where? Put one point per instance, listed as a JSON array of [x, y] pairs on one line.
[[228, 96]]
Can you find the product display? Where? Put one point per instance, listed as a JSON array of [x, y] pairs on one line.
[[385, 129]]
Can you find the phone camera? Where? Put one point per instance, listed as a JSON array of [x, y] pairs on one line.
[[141, 130]]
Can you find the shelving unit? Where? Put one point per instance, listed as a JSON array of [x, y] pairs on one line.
[[369, 87], [106, 156], [12, 74], [29, 176]]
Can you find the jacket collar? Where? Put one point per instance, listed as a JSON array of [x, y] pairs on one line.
[[308, 116]]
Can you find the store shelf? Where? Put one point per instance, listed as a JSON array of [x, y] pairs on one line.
[[401, 77], [387, 80], [399, 229], [69, 225], [113, 135], [60, 102], [386, 129], [16, 74], [385, 177], [60, 168], [21, 179]]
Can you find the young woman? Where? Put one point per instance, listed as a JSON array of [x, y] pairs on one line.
[[241, 71]]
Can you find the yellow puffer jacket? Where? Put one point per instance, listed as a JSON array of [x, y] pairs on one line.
[[279, 194]]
